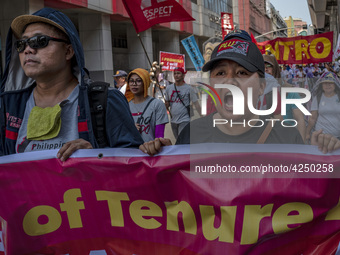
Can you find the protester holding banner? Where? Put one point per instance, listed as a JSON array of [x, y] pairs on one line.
[[238, 61], [179, 97], [44, 91], [149, 113], [243, 68], [325, 106]]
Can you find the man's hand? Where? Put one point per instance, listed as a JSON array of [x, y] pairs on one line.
[[153, 147], [68, 148], [326, 142]]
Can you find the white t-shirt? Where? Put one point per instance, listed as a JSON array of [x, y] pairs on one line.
[[328, 114], [123, 89], [178, 111], [154, 115]]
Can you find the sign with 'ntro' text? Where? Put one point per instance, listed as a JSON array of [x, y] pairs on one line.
[[300, 49]]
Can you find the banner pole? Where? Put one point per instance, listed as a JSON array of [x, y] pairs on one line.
[[140, 39], [144, 49]]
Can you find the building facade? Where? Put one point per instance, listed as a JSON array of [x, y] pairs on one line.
[[109, 39], [279, 26], [325, 16], [296, 26], [253, 17]]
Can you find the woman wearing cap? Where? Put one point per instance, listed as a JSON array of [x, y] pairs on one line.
[[325, 107], [149, 114]]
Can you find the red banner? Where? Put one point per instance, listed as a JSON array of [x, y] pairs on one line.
[[171, 60], [301, 49], [146, 13], [227, 23], [123, 202]]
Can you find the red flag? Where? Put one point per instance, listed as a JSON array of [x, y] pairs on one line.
[[146, 13], [261, 48]]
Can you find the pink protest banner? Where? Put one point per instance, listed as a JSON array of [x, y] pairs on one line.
[[300, 49], [119, 201], [171, 60]]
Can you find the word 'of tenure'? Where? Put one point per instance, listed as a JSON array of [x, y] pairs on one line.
[[238, 100], [148, 215]]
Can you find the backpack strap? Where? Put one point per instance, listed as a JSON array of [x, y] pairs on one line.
[[2, 126], [97, 93], [146, 107]]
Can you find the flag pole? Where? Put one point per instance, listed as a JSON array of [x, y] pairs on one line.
[[140, 39]]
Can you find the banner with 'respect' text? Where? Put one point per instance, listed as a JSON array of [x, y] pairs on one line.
[[120, 201]]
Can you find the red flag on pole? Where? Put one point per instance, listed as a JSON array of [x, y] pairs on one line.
[[146, 13]]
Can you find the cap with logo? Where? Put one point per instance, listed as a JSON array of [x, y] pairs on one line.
[[120, 73], [237, 46]]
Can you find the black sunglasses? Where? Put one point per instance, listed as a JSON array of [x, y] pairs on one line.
[[36, 42]]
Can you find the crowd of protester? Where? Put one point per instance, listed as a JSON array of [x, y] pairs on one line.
[[44, 100], [322, 81]]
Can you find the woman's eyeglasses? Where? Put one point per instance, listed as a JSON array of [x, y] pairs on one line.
[[36, 42], [137, 82]]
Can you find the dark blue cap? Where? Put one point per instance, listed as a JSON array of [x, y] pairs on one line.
[[238, 33], [120, 73], [238, 47]]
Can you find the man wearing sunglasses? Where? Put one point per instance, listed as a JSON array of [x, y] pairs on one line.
[[44, 101]]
